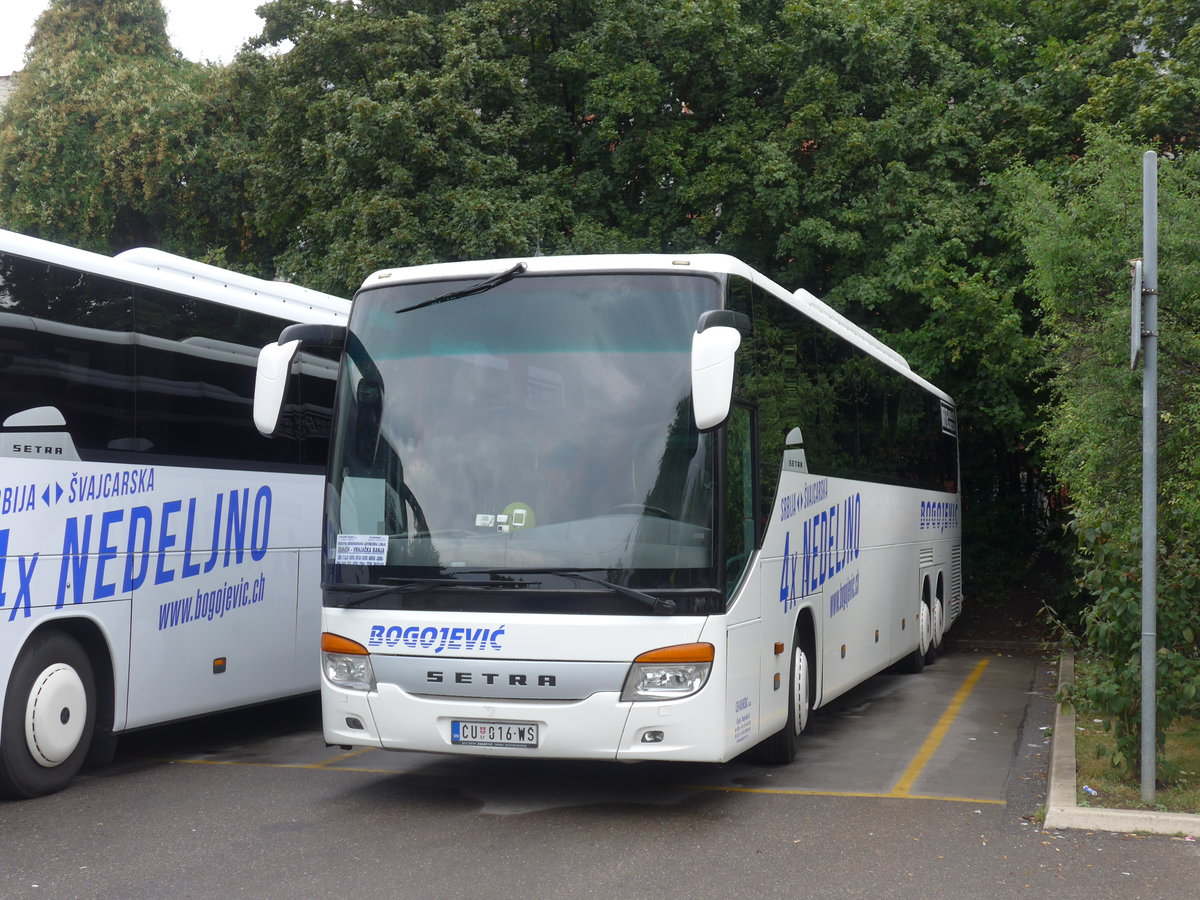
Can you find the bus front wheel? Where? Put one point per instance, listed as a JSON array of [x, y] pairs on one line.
[[48, 717], [780, 748]]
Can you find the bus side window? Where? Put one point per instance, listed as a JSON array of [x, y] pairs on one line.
[[66, 337], [195, 373]]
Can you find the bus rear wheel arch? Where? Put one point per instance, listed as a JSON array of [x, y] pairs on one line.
[[49, 715]]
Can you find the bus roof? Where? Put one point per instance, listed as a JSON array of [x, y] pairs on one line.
[[713, 263], [179, 275]]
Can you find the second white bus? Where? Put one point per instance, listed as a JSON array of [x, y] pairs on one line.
[[620, 507], [158, 557]]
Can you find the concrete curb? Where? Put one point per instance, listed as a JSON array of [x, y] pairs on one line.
[[1061, 810]]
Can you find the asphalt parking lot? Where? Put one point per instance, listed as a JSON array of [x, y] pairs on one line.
[[924, 784]]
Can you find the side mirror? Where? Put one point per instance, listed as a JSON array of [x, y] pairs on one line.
[[714, 348], [274, 361], [270, 384]]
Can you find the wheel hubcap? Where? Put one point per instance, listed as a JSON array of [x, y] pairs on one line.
[[801, 691], [55, 715]]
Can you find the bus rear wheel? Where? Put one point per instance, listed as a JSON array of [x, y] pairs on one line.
[[935, 631], [48, 717], [780, 748], [914, 663]]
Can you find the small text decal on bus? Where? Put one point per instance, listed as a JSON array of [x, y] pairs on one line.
[[81, 488], [204, 606]]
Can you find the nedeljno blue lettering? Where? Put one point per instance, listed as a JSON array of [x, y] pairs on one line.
[[171, 541], [831, 540]]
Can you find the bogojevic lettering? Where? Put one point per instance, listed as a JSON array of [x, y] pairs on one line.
[[431, 637], [940, 515], [120, 550]]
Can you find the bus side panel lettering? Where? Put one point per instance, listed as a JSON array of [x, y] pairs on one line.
[[141, 518], [74, 560], [108, 552], [235, 525]]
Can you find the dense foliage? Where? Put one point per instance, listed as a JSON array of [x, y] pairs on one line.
[[112, 140], [846, 147], [937, 169], [1077, 234], [1081, 223]]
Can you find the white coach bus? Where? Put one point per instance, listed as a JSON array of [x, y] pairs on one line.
[[619, 507], [159, 558]]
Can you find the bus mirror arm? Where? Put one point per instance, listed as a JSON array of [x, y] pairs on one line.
[[714, 351], [270, 384]]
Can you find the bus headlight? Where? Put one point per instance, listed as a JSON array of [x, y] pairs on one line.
[[668, 673], [346, 663]]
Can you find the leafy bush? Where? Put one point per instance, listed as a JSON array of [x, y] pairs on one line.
[[1079, 234]]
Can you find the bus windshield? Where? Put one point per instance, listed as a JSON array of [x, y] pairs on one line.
[[537, 434]]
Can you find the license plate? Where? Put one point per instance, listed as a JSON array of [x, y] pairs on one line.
[[493, 734]]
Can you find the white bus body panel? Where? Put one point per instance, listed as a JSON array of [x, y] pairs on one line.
[[854, 553], [599, 726], [133, 552]]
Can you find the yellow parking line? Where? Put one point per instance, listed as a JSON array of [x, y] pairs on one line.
[[315, 767], [904, 785], [880, 795], [350, 755]]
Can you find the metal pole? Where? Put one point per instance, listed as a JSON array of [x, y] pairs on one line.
[[1149, 470]]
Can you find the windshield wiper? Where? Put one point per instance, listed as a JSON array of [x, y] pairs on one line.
[[486, 285], [412, 585], [408, 585], [657, 604]]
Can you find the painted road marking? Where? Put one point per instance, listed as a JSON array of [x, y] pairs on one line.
[[933, 741]]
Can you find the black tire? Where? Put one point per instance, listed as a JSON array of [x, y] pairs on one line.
[[914, 663], [48, 717], [935, 632], [780, 748]]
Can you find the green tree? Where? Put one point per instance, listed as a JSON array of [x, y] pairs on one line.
[[105, 143], [1153, 90], [401, 133], [847, 147], [850, 146], [1079, 234]]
